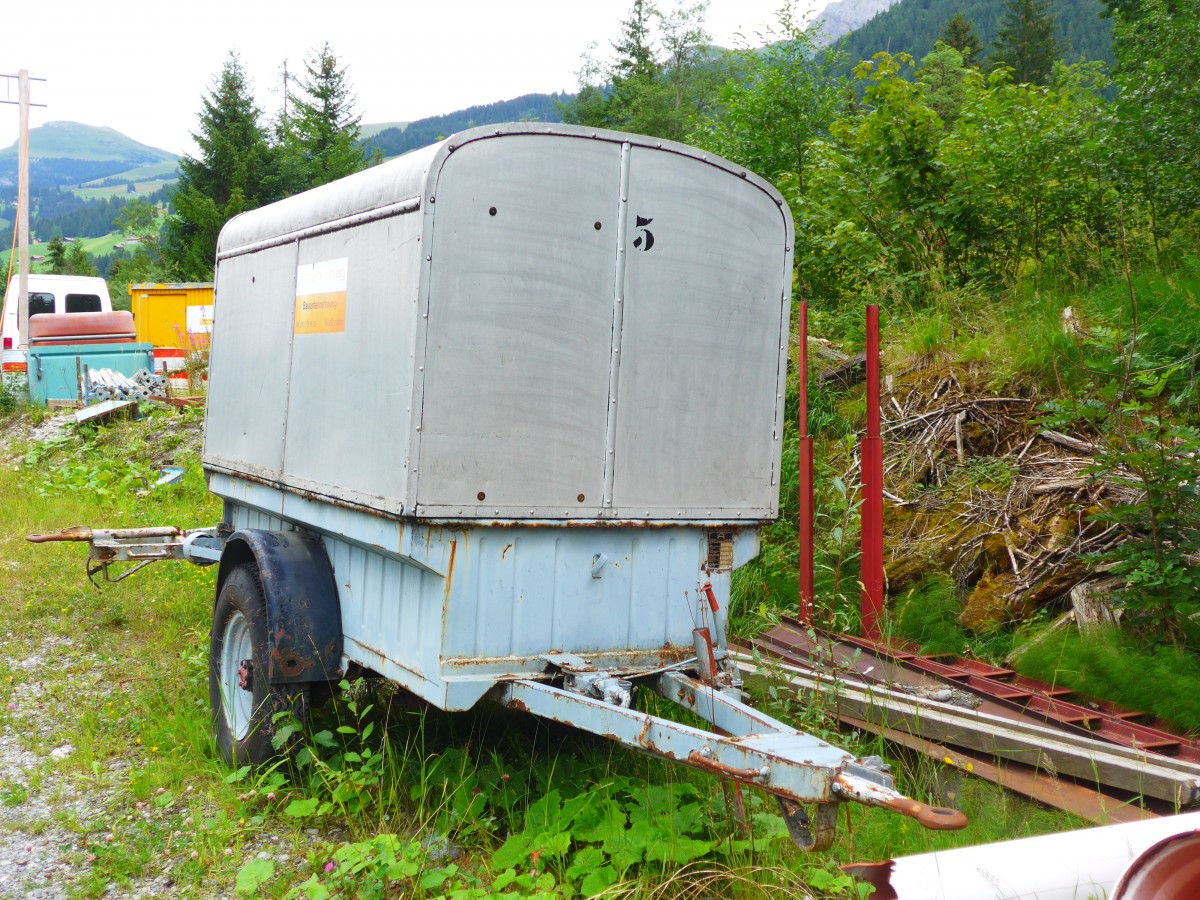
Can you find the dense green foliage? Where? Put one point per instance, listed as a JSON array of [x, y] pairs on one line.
[[785, 95], [318, 134], [244, 163], [1158, 128], [959, 34], [1026, 41], [233, 173], [913, 26], [662, 75]]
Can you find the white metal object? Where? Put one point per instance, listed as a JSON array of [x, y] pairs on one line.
[[238, 703], [53, 291], [525, 351], [1073, 865]]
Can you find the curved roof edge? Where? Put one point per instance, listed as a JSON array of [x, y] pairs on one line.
[[406, 176]]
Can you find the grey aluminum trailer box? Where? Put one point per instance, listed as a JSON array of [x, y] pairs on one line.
[[500, 418], [441, 362]]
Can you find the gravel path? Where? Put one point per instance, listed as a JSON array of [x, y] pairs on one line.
[[51, 814], [37, 850]]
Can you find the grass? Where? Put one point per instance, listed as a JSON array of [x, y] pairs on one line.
[[1163, 680], [155, 171], [532, 807], [101, 193]]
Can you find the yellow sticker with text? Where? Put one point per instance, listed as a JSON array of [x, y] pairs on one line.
[[321, 297]]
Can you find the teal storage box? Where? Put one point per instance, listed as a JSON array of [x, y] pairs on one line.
[[58, 374]]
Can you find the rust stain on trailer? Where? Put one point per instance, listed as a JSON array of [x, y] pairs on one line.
[[504, 552], [700, 761], [449, 579], [642, 739]]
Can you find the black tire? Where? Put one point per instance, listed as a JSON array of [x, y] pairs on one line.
[[244, 704]]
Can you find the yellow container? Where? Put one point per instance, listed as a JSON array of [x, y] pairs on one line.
[[175, 318]]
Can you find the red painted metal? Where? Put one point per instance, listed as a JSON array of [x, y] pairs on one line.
[[806, 478], [711, 596], [872, 489]]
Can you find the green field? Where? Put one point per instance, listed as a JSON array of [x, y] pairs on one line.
[[100, 246], [101, 193], [160, 171]]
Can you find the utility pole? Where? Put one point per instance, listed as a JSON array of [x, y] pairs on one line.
[[23, 104]]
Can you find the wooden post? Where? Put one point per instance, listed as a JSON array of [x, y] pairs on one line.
[[872, 490], [23, 212]]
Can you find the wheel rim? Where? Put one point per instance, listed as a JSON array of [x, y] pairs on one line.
[[238, 702]]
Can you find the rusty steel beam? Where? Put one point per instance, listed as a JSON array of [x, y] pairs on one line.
[[1044, 703], [1088, 803]]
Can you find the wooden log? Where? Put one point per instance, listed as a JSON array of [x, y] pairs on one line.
[[1059, 484], [847, 373], [1065, 440]]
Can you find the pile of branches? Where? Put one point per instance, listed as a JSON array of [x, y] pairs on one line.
[[976, 486]]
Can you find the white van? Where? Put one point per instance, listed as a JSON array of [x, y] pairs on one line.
[[49, 294]]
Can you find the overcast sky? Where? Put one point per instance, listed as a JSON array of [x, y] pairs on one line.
[[143, 68]]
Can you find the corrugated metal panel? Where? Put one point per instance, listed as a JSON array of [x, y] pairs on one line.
[[390, 607], [518, 593], [451, 610]]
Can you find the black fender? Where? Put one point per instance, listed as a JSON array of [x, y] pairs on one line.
[[304, 614]]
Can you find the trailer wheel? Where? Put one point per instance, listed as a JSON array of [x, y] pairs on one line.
[[244, 703]]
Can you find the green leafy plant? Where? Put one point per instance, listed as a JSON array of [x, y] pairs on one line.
[[1161, 594]]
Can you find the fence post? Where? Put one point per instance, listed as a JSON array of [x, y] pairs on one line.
[[872, 490]]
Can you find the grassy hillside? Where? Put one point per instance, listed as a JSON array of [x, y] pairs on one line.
[[369, 131], [71, 153], [98, 246], [74, 140], [393, 141]]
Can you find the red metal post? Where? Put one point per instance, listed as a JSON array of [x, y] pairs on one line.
[[872, 490], [806, 477]]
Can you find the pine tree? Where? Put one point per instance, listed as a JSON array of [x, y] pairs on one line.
[[320, 137], [639, 90], [635, 55], [959, 33], [232, 174], [77, 261], [1027, 42], [56, 251]]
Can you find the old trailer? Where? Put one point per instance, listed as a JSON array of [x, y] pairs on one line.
[[498, 419]]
